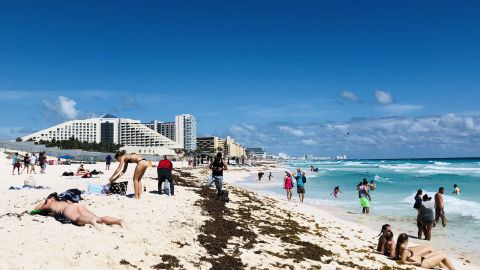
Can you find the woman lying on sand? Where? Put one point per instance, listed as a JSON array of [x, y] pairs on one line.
[[142, 165], [76, 213], [422, 256]]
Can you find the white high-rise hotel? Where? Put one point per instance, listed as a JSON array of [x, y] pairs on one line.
[[183, 130], [107, 128]]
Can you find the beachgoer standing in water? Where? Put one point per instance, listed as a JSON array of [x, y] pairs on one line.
[[365, 198], [218, 165], [142, 165], [456, 189], [335, 192], [288, 185], [270, 176], [439, 212]]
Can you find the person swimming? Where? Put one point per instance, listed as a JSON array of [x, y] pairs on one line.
[[124, 159], [335, 192], [456, 189], [74, 212]]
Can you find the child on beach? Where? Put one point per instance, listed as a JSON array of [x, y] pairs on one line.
[[335, 192]]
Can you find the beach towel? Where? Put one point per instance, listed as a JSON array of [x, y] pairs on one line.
[[27, 187], [364, 202], [119, 188], [68, 174]]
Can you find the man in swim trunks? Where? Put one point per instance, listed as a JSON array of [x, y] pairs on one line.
[[300, 184], [439, 212]]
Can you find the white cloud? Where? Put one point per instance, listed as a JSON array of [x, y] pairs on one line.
[[349, 95], [310, 142], [63, 107], [292, 131], [401, 108], [383, 98]]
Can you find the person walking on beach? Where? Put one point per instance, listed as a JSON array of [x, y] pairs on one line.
[[288, 185], [456, 190], [439, 212], [42, 162], [426, 216], [270, 176], [260, 175], [335, 192], [364, 195], [142, 165], [33, 163], [26, 163], [15, 164], [108, 161], [164, 171], [218, 165]]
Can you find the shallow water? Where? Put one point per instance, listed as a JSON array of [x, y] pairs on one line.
[[392, 201]]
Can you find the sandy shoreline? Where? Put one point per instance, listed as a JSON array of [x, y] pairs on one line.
[[192, 230]]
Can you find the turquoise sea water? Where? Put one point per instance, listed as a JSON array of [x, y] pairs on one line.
[[392, 201]]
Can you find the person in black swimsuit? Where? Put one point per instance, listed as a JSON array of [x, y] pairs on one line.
[[142, 165]]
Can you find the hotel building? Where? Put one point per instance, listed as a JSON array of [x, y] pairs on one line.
[[183, 130], [228, 146], [107, 129]]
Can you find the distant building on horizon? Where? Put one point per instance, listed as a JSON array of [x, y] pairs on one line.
[[108, 129], [183, 130], [257, 152], [213, 144]]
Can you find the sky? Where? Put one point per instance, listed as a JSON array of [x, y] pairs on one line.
[[369, 79]]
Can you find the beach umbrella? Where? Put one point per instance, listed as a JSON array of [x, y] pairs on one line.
[[66, 157]]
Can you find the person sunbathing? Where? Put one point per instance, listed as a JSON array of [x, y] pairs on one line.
[[422, 256], [81, 171], [74, 212], [382, 241]]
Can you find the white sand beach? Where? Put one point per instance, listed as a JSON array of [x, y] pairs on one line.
[[191, 230]]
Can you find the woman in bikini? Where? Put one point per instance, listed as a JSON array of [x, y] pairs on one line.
[[76, 213], [422, 256], [142, 165]]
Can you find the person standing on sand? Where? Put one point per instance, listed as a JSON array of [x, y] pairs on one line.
[[300, 184], [33, 163], [217, 165], [142, 165], [439, 212], [456, 189], [15, 164], [42, 162], [417, 205], [270, 176], [426, 216], [164, 171], [108, 161], [26, 163], [288, 185]]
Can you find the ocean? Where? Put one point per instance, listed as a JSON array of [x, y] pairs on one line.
[[392, 200]]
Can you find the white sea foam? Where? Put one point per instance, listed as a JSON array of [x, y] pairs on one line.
[[380, 179], [453, 204], [401, 167]]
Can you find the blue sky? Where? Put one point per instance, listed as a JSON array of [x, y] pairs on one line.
[[370, 79]]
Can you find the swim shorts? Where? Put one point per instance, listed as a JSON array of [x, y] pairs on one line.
[[364, 202], [300, 189]]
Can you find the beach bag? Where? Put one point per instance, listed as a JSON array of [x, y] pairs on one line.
[[119, 188], [29, 182], [166, 191], [223, 194], [73, 195]]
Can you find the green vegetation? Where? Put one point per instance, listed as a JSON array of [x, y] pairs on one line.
[[73, 143]]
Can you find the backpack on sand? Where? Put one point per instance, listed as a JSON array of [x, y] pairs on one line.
[[223, 196]]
